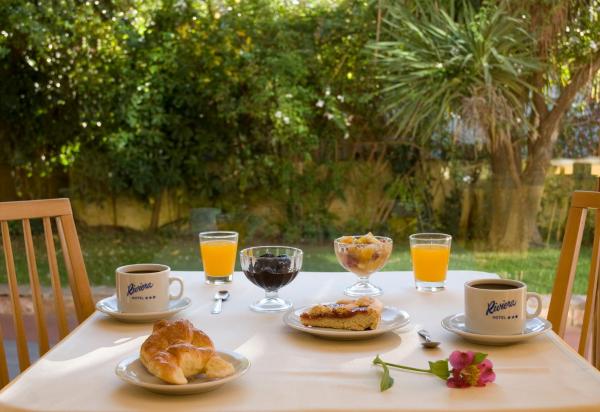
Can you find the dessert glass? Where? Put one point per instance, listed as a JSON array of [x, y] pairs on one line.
[[271, 268], [363, 256]]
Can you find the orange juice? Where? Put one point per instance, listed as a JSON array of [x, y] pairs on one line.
[[430, 262], [218, 257]]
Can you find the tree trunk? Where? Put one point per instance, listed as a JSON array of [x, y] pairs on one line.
[[155, 219], [465, 212], [7, 184], [517, 195], [531, 203], [534, 175], [115, 216], [517, 191], [506, 232], [507, 217], [514, 215]]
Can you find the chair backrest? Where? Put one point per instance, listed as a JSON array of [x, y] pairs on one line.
[[589, 341], [47, 210]]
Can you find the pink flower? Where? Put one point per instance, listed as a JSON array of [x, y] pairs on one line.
[[469, 369], [460, 360], [486, 373]]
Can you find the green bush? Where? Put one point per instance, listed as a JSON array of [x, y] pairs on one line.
[[228, 101]]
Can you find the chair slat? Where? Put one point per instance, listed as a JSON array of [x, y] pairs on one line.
[[590, 301], [565, 274], [22, 350], [82, 285], [66, 259], [3, 363], [35, 209], [36, 290], [59, 303], [78, 280], [585, 199]]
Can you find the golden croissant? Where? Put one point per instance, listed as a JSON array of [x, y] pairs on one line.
[[176, 350]]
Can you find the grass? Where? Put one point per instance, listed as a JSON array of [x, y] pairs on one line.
[[105, 249], [537, 268]]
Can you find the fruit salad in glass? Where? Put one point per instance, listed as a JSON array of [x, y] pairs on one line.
[[363, 256]]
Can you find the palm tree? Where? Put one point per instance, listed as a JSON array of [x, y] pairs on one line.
[[486, 70]]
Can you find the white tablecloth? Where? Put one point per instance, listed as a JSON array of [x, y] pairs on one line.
[[293, 371]]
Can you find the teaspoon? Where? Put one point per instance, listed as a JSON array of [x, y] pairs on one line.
[[428, 342], [220, 296]]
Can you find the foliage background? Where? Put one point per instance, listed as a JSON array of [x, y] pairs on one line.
[[228, 102], [269, 110]]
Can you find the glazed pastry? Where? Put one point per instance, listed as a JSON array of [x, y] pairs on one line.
[[360, 314]]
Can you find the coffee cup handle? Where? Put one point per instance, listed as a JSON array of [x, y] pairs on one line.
[[176, 279], [538, 309]]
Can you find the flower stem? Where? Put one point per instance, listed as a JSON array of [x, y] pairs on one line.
[[407, 368]]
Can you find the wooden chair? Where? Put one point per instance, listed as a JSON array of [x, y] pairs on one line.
[[589, 341], [60, 210]]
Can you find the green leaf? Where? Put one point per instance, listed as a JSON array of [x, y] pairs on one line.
[[479, 357], [440, 369], [386, 380], [431, 63], [377, 360]]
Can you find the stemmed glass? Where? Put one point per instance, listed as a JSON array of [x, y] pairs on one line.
[[271, 268], [363, 256]]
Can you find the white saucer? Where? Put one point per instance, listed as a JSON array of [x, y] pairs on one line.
[[133, 372], [110, 306], [391, 318], [533, 327]]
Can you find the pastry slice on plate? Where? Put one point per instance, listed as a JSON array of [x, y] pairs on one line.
[[360, 314]]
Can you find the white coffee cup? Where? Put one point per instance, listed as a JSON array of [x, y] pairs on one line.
[[144, 288], [498, 306]]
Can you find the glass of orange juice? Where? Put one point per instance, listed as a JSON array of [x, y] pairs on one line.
[[430, 253], [218, 251]]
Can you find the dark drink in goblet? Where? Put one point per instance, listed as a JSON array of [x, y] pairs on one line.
[[271, 268]]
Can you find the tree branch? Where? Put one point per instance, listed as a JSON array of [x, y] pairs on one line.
[[550, 122], [539, 101], [379, 17]]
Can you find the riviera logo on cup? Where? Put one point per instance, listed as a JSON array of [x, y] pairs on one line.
[[132, 288], [494, 306], [144, 288], [498, 306]]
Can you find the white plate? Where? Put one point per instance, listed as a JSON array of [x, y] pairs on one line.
[[133, 372], [391, 318], [533, 327], [110, 307]]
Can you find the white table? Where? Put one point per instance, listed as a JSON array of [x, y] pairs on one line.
[[292, 371]]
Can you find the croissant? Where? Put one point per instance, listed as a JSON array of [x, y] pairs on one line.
[[176, 350]]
